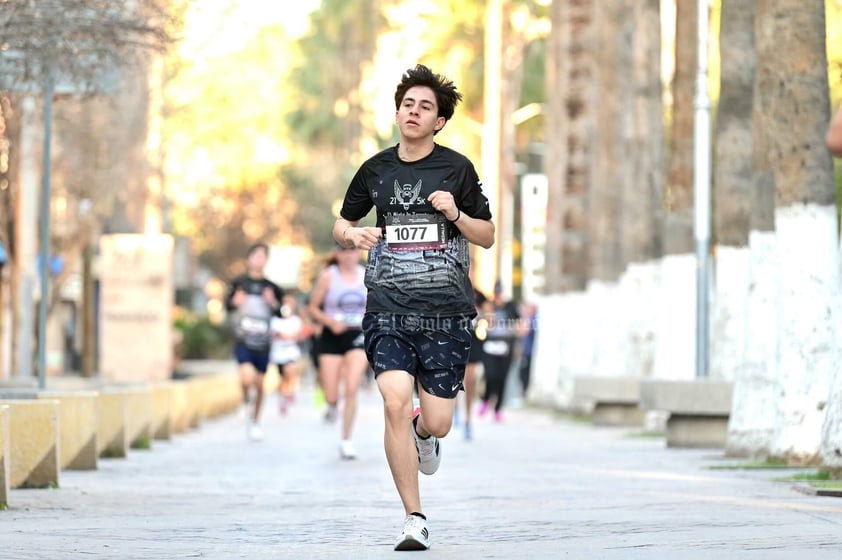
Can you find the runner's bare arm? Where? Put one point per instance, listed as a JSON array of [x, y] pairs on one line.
[[317, 297], [347, 234]]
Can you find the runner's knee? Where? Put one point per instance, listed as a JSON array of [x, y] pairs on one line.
[[438, 426]]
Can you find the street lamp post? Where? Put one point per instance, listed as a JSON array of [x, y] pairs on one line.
[[701, 192]]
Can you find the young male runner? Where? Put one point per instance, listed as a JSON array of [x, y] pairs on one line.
[[429, 205]]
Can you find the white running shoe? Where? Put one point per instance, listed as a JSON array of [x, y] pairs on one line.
[[415, 535], [429, 450], [346, 450], [255, 432]]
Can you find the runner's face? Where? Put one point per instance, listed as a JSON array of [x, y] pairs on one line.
[[348, 255], [417, 116], [257, 260]]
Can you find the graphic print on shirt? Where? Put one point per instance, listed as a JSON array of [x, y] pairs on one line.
[[407, 195], [253, 322], [351, 306], [413, 274]]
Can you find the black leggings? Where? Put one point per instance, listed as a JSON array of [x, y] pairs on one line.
[[496, 372]]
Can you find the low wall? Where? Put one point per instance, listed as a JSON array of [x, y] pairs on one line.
[[139, 403], [34, 443], [112, 432], [78, 426], [163, 397]]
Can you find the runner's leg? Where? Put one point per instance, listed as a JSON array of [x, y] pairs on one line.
[[354, 365], [396, 388]]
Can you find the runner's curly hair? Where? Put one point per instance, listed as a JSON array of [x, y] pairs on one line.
[[446, 95]]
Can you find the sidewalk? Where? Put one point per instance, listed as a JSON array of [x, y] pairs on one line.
[[534, 487]]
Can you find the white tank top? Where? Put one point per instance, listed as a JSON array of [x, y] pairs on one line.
[[345, 302]]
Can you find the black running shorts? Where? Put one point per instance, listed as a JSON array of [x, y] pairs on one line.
[[340, 344], [433, 350]]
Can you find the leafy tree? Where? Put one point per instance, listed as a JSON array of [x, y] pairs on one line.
[[224, 140], [328, 121], [84, 46], [79, 39]]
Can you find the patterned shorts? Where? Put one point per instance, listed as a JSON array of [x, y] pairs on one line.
[[433, 350]]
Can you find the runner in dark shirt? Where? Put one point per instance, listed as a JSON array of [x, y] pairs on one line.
[[253, 300], [430, 206]]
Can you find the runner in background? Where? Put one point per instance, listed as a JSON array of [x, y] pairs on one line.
[[498, 350], [479, 327], [288, 330], [253, 300], [338, 303], [529, 314]]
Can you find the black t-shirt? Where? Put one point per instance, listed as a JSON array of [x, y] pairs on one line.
[[252, 319], [425, 282]]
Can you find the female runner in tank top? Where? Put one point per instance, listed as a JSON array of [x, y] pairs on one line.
[[338, 303]]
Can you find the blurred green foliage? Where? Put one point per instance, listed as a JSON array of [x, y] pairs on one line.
[[200, 339]]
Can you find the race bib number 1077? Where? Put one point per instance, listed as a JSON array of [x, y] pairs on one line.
[[416, 232]]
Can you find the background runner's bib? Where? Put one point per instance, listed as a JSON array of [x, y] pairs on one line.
[[253, 322], [496, 347]]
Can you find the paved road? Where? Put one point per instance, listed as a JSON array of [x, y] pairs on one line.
[[534, 487]]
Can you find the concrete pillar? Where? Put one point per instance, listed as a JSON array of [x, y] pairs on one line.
[[78, 425], [34, 437], [163, 401], [112, 436]]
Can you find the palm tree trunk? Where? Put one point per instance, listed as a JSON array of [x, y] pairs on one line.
[[642, 202], [679, 216], [675, 327], [642, 237], [555, 163], [571, 106], [749, 425], [610, 153], [794, 108]]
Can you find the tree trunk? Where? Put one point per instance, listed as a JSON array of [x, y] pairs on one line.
[[512, 62], [642, 228], [642, 235], [9, 143], [733, 179], [733, 187], [571, 107], [581, 106], [610, 163], [793, 112], [555, 162], [679, 195]]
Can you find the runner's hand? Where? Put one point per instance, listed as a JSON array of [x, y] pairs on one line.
[[269, 296], [238, 298], [363, 237], [337, 327], [444, 203]]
